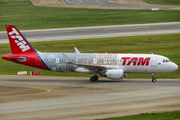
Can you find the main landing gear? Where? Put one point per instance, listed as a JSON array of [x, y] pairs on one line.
[[153, 78], [94, 78]]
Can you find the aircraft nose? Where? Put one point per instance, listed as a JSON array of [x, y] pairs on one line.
[[174, 66]]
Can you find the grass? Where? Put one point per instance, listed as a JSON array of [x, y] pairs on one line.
[[164, 2], [151, 116], [167, 45], [26, 16]]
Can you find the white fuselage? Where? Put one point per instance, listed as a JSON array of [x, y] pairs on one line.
[[130, 63]]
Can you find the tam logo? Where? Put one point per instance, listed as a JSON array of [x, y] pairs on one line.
[[19, 40], [139, 62]]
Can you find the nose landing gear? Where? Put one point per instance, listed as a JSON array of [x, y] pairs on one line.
[[153, 78]]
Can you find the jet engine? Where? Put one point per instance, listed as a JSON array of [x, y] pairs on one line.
[[115, 74]]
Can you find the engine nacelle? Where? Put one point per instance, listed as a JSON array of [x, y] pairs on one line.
[[115, 74]]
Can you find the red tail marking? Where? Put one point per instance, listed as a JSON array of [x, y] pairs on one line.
[[18, 42]]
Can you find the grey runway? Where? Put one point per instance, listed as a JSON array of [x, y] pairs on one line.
[[78, 98], [96, 32]]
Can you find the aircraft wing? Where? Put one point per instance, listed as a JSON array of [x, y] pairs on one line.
[[98, 66], [94, 67]]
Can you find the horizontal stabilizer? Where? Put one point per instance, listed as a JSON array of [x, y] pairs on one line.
[[21, 59]]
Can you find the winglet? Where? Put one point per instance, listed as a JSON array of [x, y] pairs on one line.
[[76, 50], [66, 59]]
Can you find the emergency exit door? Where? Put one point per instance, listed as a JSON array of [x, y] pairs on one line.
[[153, 61]]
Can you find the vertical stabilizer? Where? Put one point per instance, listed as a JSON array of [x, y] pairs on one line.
[[17, 41]]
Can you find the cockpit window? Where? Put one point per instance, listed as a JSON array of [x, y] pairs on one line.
[[165, 61], [169, 60]]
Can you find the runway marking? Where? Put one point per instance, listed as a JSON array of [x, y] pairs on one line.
[[47, 90], [101, 111], [119, 1], [58, 2]]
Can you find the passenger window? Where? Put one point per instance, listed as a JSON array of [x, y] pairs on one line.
[[166, 60], [163, 61], [159, 63]]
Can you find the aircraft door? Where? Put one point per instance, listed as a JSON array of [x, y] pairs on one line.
[[57, 60], [95, 61], [153, 61]]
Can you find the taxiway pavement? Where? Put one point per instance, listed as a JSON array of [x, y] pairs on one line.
[[102, 4], [114, 3], [96, 32], [35, 97]]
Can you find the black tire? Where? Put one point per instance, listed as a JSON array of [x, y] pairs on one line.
[[153, 80], [92, 79], [96, 78]]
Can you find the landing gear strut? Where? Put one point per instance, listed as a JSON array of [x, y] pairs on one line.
[[153, 78], [94, 78]]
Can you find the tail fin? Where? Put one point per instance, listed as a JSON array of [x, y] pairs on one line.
[[17, 41]]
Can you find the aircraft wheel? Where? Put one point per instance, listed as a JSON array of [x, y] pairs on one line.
[[153, 80], [96, 78], [92, 79]]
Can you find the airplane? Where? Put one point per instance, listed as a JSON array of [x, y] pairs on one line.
[[112, 66]]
